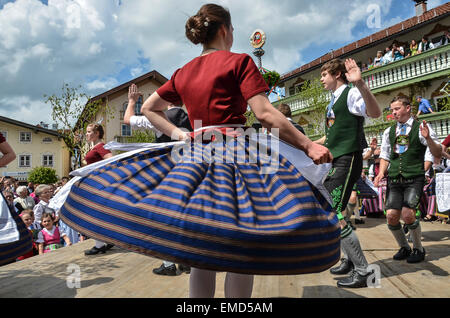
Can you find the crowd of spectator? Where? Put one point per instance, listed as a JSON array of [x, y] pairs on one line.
[[31, 203], [397, 51]]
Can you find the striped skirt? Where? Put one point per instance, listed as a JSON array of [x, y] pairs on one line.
[[215, 206], [15, 239]]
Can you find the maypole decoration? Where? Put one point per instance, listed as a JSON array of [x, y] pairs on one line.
[[257, 40]]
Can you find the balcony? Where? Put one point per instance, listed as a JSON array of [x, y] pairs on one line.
[[425, 66]]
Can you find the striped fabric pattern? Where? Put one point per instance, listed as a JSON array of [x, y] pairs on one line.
[[209, 214], [10, 251]]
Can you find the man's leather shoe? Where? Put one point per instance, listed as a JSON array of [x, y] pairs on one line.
[[109, 246], [359, 221], [94, 250], [167, 271], [184, 269], [402, 254], [355, 280], [344, 268], [416, 256]]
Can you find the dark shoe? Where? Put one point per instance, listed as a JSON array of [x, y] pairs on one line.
[[355, 280], [184, 269], [109, 246], [167, 271], [359, 221], [94, 250], [344, 268], [402, 254], [416, 256]]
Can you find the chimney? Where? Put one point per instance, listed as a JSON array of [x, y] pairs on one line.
[[421, 7]]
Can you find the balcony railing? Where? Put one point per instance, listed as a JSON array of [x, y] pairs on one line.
[[402, 72], [397, 74]]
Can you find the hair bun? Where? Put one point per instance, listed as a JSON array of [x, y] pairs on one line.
[[197, 29]]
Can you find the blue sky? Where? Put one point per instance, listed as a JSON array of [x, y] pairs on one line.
[[100, 44]]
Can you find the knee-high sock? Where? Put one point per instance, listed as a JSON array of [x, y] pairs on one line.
[[238, 285], [351, 247], [357, 212], [399, 235], [350, 209], [202, 283], [416, 234], [99, 244]]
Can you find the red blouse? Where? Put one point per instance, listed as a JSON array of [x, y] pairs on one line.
[[96, 153], [215, 88], [2, 139]]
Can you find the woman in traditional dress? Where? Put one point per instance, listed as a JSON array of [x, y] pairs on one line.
[[15, 239], [214, 200]]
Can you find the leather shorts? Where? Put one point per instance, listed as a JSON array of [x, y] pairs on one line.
[[404, 192]]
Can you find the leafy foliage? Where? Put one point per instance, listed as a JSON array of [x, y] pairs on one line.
[[43, 175], [73, 111], [271, 78]]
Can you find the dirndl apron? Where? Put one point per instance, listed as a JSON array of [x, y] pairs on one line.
[[15, 239], [218, 205]]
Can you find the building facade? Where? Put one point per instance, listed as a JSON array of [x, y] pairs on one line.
[[426, 74], [115, 102], [34, 147]]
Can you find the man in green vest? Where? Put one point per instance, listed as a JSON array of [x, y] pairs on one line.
[[403, 150], [346, 141]]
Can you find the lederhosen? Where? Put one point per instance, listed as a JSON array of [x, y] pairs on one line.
[[406, 174], [179, 118], [346, 140]]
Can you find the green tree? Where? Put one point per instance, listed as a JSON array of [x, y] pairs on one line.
[[43, 175], [72, 111]]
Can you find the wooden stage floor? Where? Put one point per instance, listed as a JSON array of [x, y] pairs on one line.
[[123, 274]]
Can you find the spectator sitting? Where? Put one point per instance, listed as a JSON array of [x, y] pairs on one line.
[[424, 106], [397, 52], [388, 57], [23, 201], [445, 38], [285, 109], [425, 45], [378, 61], [414, 47]]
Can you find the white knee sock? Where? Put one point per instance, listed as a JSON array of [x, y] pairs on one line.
[[202, 283], [238, 285]]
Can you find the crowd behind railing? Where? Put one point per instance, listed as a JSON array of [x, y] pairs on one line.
[[397, 51]]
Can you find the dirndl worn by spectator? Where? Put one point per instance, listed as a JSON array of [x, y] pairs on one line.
[[217, 205], [15, 239]]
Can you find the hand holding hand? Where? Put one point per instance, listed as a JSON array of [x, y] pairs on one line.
[[377, 180], [318, 153]]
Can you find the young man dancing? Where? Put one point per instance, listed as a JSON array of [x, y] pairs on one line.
[[404, 149], [346, 141]]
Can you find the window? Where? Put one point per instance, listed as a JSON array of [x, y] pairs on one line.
[[138, 106], [24, 161], [47, 160], [47, 140], [126, 130], [25, 136]]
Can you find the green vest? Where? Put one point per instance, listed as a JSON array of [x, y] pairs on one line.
[[410, 163], [346, 135]]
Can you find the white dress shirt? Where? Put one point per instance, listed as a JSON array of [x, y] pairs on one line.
[[142, 122], [386, 144], [355, 102]]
